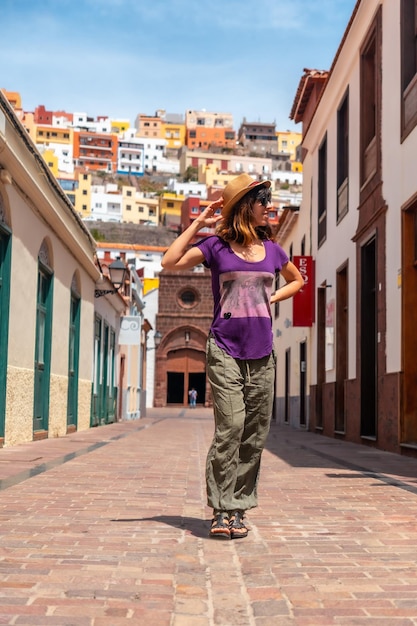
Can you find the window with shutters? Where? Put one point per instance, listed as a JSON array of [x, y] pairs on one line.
[[343, 158], [370, 103], [322, 194]]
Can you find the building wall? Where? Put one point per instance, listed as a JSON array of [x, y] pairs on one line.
[[205, 129], [150, 297], [149, 126], [83, 194], [138, 207], [95, 151], [41, 225], [174, 134], [206, 138], [229, 164], [21, 344], [288, 142], [184, 330], [119, 126], [368, 242], [170, 208]]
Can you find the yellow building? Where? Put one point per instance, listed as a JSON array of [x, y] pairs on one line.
[[43, 135], [51, 160], [288, 142], [83, 194], [174, 134], [149, 284], [52, 139], [170, 208], [210, 176], [119, 126], [138, 207]]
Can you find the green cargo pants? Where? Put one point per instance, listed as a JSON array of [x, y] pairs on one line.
[[242, 400]]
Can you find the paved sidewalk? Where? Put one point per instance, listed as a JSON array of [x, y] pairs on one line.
[[108, 527]]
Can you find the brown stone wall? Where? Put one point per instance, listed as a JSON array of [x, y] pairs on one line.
[[184, 327], [329, 408], [389, 389]]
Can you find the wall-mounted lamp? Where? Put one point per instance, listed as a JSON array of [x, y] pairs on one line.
[[118, 273], [187, 336], [157, 336]]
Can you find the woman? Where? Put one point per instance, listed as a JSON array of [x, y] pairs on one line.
[[243, 261]]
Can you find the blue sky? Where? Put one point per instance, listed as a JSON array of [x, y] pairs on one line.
[[124, 57]]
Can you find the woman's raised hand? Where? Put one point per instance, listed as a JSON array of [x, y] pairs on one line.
[[208, 217]]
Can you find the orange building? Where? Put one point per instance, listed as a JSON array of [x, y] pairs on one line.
[[149, 126], [95, 151], [13, 97], [206, 131]]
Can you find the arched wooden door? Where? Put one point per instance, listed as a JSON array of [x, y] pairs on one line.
[[186, 368]]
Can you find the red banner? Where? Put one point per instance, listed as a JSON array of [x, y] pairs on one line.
[[303, 306]]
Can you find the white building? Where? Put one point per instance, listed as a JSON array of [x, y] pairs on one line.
[[150, 299], [155, 157], [64, 154], [357, 222], [106, 203], [288, 177], [189, 188], [130, 154], [81, 121]]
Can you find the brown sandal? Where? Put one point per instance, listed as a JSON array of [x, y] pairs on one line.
[[237, 527], [220, 526]]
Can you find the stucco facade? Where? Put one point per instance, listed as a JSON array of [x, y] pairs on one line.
[[357, 220], [48, 277]]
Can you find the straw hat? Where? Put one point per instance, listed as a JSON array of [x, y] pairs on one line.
[[237, 188]]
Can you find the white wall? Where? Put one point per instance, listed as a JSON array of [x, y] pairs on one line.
[[151, 309]]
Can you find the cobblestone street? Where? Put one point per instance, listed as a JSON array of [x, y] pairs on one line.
[[108, 527]]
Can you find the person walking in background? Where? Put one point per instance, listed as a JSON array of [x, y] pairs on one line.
[[193, 397], [240, 359]]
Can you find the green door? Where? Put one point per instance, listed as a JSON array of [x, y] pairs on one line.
[[105, 376], [112, 388], [104, 396], [73, 361], [42, 350], [95, 395], [5, 246]]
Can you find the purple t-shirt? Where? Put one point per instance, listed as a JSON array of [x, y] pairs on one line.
[[242, 324]]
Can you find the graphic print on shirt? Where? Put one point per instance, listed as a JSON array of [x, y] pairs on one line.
[[245, 294]]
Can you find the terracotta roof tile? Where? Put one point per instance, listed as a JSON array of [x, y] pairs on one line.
[[305, 86]]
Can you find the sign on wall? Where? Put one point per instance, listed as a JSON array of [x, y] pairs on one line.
[[303, 304], [129, 334], [330, 322]]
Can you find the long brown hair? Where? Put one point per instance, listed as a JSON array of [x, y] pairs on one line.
[[237, 225]]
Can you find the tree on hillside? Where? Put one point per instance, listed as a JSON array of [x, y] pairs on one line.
[[191, 173]]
